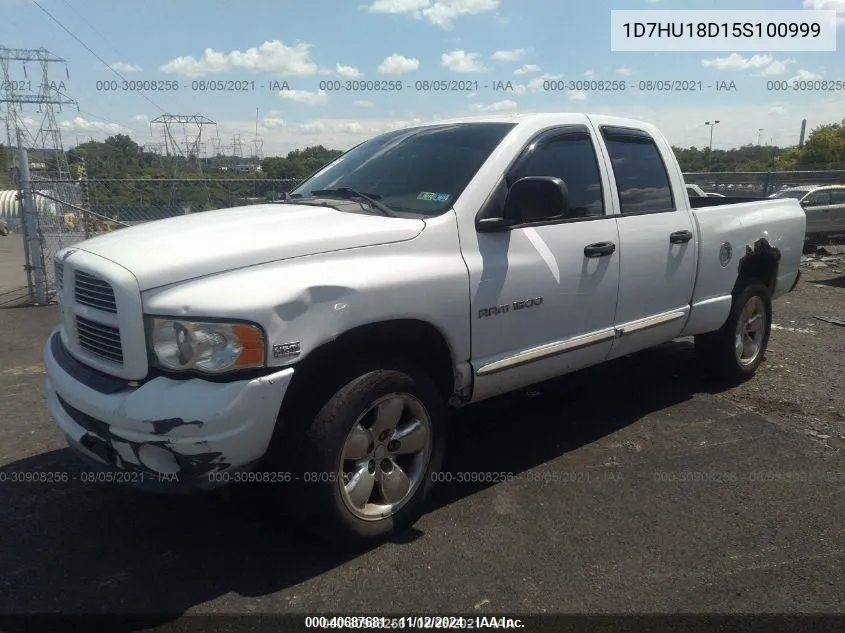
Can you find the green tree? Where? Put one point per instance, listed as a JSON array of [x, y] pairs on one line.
[[299, 164], [825, 145]]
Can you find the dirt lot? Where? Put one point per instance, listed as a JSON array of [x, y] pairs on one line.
[[597, 518]]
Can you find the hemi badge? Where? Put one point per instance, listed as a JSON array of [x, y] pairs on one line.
[[286, 349]]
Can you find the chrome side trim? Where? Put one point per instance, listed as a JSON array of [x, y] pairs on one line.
[[578, 342], [547, 351], [649, 322]]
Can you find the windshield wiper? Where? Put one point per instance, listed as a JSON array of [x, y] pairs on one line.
[[352, 194]]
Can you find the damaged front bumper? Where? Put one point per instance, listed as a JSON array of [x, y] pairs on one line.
[[167, 435]]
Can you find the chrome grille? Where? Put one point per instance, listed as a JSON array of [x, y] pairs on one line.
[[59, 269], [95, 292], [99, 339]]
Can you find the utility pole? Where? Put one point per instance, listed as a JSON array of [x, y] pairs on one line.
[[711, 124], [759, 135]]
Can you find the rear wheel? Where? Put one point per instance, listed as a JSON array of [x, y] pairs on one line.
[[368, 456], [735, 351]]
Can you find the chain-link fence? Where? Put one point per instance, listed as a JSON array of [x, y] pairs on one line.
[[69, 211]]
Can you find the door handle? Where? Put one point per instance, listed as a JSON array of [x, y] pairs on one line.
[[680, 237], [600, 249]]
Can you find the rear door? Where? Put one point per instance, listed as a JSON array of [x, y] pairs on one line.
[[658, 242]]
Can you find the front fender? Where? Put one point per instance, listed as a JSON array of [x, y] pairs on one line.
[[309, 301]]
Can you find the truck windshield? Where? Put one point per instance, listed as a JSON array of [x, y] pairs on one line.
[[418, 170]]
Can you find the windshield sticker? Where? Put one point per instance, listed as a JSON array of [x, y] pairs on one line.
[[434, 197]]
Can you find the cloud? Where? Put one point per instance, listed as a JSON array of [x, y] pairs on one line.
[[735, 61], [304, 96], [536, 84], [399, 6], [804, 75], [349, 72], [397, 65], [271, 56], [589, 74], [508, 56], [462, 62], [123, 67], [361, 103], [140, 117], [272, 122], [624, 71], [499, 106], [767, 65], [576, 95], [358, 129], [442, 13], [80, 124], [829, 5], [777, 110], [527, 69], [776, 68]]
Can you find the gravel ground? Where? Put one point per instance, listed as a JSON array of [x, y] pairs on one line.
[[801, 382]]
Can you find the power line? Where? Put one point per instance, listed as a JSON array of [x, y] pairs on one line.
[[91, 26], [88, 48]]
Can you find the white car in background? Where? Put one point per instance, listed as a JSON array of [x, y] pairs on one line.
[[824, 207]]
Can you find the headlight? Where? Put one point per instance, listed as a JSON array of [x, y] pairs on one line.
[[208, 347]]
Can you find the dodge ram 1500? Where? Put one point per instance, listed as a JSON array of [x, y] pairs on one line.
[[316, 344]]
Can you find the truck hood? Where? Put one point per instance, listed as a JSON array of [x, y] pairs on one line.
[[190, 246]]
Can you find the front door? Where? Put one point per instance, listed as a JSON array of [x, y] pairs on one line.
[[546, 291]]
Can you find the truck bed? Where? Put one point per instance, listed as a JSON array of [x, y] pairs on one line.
[[737, 224]]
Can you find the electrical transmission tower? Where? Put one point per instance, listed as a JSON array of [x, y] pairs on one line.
[[18, 90], [237, 146], [257, 141], [187, 146]]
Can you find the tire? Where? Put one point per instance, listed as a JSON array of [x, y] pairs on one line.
[[342, 426], [750, 318]]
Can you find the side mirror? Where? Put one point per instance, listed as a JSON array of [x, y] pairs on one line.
[[536, 198]]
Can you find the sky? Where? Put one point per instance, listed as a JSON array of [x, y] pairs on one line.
[[290, 67]]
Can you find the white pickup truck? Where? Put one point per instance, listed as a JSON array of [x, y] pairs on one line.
[[316, 344]]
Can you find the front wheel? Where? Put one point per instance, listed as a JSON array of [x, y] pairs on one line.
[[735, 351], [369, 456]]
